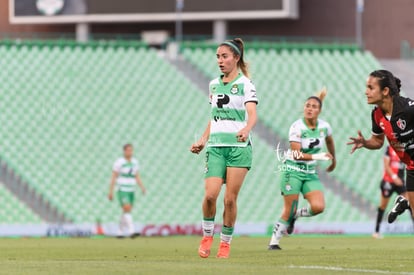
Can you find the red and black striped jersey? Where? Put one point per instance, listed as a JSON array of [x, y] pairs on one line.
[[399, 128], [397, 166]]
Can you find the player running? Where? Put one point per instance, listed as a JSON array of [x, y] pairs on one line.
[[307, 137], [125, 174], [392, 181], [227, 136], [392, 117]]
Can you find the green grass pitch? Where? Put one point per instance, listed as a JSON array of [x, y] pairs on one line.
[[178, 255]]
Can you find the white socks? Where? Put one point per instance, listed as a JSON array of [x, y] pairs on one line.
[[278, 231], [303, 212], [226, 238], [208, 228], [126, 224]]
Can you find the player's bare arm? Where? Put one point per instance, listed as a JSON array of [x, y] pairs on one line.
[[198, 146], [297, 153], [373, 143], [243, 134], [140, 184], [330, 144], [112, 185]]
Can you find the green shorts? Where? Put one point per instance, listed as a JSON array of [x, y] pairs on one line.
[[294, 182], [219, 158], [126, 198]]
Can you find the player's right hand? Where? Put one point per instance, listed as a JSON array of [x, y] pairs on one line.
[[110, 196], [197, 147]]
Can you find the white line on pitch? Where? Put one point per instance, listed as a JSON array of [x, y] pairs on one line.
[[356, 270]]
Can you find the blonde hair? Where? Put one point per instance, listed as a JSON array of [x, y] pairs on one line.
[[322, 94], [237, 48], [319, 96]]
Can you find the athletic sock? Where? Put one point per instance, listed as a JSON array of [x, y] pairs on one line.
[[278, 230], [122, 224], [208, 227], [129, 223], [380, 214], [304, 212], [226, 234]]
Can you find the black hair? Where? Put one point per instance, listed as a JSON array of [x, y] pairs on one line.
[[126, 146], [387, 79]]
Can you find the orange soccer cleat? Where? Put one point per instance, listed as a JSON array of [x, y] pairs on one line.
[[224, 250], [204, 248]]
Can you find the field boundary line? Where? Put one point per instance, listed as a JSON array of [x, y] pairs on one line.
[[344, 269]]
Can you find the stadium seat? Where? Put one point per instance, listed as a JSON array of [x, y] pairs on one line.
[[65, 124], [284, 78]]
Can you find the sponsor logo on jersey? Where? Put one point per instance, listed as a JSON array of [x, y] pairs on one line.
[[401, 123], [217, 118], [406, 133], [234, 89]]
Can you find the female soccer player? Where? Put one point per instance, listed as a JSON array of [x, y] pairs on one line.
[[227, 136], [393, 117], [125, 175], [307, 137], [391, 182]]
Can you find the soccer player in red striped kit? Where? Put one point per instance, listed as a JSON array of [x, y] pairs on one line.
[[393, 117], [392, 181]]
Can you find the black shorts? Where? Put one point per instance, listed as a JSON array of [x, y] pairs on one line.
[[409, 180], [388, 188]]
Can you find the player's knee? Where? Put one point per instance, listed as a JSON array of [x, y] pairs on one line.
[[210, 199], [127, 207], [229, 202], [317, 208]]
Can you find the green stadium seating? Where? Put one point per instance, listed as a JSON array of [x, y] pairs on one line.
[[68, 108], [284, 78], [13, 211]]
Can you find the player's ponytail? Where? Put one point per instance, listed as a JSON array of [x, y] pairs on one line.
[[387, 79], [319, 96], [237, 48]]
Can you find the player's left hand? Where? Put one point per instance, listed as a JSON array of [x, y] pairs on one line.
[[332, 166], [242, 135], [144, 191], [398, 181], [356, 142]]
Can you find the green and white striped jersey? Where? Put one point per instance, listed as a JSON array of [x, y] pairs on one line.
[[311, 140], [228, 111], [127, 171]]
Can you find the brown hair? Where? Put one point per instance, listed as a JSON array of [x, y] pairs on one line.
[[320, 96], [126, 146], [237, 48]]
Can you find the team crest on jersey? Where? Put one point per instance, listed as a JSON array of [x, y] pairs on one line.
[[401, 123], [321, 133], [234, 89]]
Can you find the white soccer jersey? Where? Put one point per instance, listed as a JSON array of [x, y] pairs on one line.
[[127, 171], [311, 140], [228, 111]]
